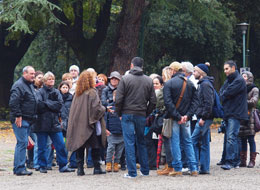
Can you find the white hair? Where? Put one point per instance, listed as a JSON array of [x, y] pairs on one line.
[[74, 67], [188, 66], [26, 68]]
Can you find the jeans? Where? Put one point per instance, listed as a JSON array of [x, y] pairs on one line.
[[58, 142], [182, 132], [251, 141], [133, 132], [21, 134], [201, 141], [168, 151], [232, 156]]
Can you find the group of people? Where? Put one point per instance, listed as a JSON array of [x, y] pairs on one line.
[[117, 116]]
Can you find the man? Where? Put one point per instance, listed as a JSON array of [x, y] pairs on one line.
[[74, 71], [23, 106], [135, 99], [201, 134], [233, 95], [181, 116]]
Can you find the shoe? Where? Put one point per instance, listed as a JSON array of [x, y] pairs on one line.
[[138, 166], [174, 173], [80, 171], [185, 169], [220, 163], [194, 174], [204, 172], [143, 174], [43, 170], [226, 167], [24, 172], [66, 169], [116, 167], [37, 169], [53, 164], [243, 157], [109, 167], [123, 168], [128, 176], [165, 171], [49, 168], [251, 163], [72, 166], [98, 171], [29, 166]]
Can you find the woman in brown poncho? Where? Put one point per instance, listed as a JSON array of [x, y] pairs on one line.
[[85, 126]]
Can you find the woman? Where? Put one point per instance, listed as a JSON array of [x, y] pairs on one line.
[[83, 129], [247, 132], [50, 103]]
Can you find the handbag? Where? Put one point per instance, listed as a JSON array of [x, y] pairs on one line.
[[157, 124], [167, 124], [256, 120]]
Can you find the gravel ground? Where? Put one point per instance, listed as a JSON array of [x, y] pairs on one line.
[[243, 178]]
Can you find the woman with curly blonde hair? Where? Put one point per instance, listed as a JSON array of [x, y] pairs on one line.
[[86, 124]]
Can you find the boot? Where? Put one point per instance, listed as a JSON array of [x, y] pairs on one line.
[[166, 171], [165, 167], [109, 167], [116, 167], [96, 157], [243, 157], [251, 163], [80, 171]]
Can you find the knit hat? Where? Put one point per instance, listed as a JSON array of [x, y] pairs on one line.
[[115, 74], [74, 67], [176, 66], [202, 68]]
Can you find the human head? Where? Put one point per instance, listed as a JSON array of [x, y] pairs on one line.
[[187, 68], [176, 67], [102, 78], [85, 82], [248, 77], [157, 82], [201, 70], [29, 73], [68, 78], [114, 78], [137, 62], [49, 79], [94, 73], [153, 75], [166, 73], [38, 81], [74, 71], [230, 67], [64, 87]]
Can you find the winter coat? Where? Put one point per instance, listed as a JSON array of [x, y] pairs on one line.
[[171, 93], [65, 110], [23, 101], [233, 95], [50, 103], [206, 98], [113, 122], [135, 94], [85, 111], [100, 87], [107, 96]]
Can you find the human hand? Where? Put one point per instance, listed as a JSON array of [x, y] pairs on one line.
[[108, 133], [201, 122], [18, 121]]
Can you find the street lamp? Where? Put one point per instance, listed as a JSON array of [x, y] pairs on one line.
[[243, 28]]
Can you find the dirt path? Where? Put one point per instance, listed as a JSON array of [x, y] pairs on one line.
[[242, 178]]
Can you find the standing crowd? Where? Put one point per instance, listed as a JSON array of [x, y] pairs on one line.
[[132, 121]]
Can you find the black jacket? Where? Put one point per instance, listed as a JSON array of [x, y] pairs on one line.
[[65, 109], [107, 96], [206, 98], [23, 101], [171, 94], [135, 94], [233, 95], [50, 103]]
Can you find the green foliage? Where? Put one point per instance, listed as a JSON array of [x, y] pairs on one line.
[[27, 15]]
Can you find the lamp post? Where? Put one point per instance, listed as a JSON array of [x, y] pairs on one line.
[[243, 28]]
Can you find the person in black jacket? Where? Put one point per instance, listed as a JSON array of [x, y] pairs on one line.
[[50, 103], [233, 95], [181, 118], [23, 106], [201, 133]]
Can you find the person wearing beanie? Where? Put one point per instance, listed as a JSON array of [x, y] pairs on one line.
[[201, 134], [74, 71]]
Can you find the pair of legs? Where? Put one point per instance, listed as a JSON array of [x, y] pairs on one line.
[[115, 147]]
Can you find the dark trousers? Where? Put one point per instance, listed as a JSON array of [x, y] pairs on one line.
[[151, 145], [80, 155]]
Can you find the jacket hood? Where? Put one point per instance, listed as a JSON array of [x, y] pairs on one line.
[[136, 71], [209, 78], [250, 77]]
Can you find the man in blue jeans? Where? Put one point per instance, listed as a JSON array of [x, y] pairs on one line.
[[23, 106], [233, 94], [135, 99], [201, 133], [181, 111]]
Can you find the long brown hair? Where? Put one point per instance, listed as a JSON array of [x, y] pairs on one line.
[[85, 82]]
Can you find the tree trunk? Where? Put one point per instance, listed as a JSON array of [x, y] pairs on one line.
[[128, 34]]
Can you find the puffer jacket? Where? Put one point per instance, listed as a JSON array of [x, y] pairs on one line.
[[171, 92], [252, 99], [233, 95], [50, 103], [23, 101], [65, 110], [206, 98]]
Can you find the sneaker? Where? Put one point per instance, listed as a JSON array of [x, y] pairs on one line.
[[175, 173], [194, 174], [185, 169], [128, 176], [143, 174], [226, 167], [236, 167]]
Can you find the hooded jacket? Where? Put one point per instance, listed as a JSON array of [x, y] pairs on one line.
[[135, 94]]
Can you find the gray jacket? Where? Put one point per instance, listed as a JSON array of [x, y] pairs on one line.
[[135, 94]]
